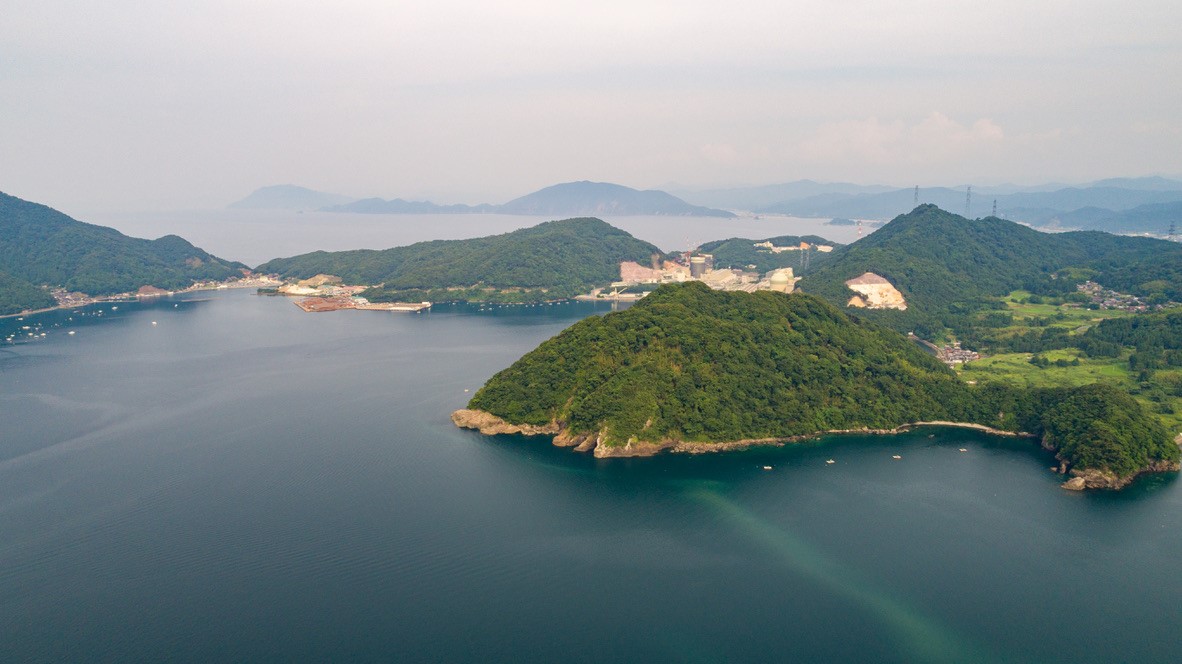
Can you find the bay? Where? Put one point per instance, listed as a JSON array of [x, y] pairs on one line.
[[243, 481]]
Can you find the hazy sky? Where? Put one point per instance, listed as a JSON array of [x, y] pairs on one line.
[[123, 104]]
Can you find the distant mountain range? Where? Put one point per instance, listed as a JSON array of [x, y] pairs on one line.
[[758, 198], [1119, 205], [569, 199], [1031, 207], [40, 246], [288, 197]]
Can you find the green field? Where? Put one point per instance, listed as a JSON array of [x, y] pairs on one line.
[[1071, 316], [1159, 395]]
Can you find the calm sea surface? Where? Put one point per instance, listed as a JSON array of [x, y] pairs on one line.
[[243, 481]]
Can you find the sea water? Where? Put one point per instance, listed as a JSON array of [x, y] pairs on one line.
[[244, 481]]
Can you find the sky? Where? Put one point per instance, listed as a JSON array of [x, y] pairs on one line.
[[142, 105]]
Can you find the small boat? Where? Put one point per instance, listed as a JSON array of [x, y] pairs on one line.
[[153, 322], [830, 461], [71, 333], [963, 450], [896, 456], [767, 467]]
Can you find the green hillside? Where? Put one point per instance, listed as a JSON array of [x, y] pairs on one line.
[[738, 252], [947, 266], [550, 260], [41, 246], [687, 364], [17, 295]]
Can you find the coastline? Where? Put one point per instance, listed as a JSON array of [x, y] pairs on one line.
[[490, 424], [132, 297]]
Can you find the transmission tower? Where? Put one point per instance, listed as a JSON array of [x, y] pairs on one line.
[[917, 195], [968, 201], [995, 207], [1173, 237]]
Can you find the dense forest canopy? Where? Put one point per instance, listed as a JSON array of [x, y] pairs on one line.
[[948, 266], [687, 363], [40, 246], [554, 259], [742, 253]]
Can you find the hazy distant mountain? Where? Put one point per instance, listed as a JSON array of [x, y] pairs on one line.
[[571, 199], [885, 205], [1031, 206], [1073, 198], [603, 198], [1147, 184], [288, 197], [756, 198], [1155, 218], [400, 206]]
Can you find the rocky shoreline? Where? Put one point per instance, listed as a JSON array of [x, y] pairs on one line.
[[491, 425]]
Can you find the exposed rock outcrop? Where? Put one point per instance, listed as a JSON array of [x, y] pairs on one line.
[[875, 293], [491, 425], [1106, 479]]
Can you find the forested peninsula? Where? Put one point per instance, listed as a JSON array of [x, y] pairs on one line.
[[690, 369], [551, 261], [41, 248]]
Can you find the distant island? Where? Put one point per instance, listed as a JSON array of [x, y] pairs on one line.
[[288, 197], [689, 369], [570, 199], [48, 258]]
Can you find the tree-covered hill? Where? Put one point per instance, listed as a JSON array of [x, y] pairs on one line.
[[738, 252], [694, 364], [946, 265], [688, 364], [17, 295], [41, 246], [563, 258]]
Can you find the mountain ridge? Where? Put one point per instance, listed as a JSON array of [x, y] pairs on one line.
[[42, 246], [567, 199]]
